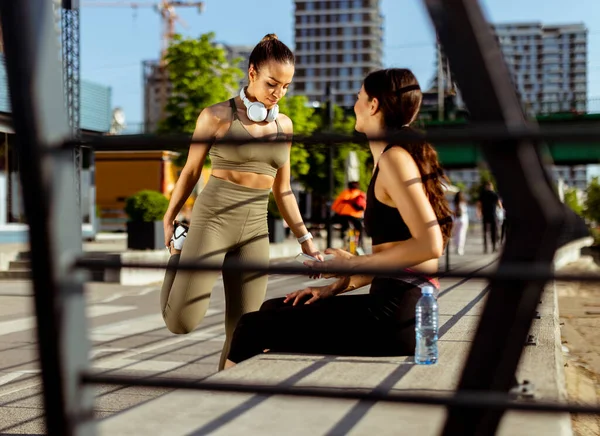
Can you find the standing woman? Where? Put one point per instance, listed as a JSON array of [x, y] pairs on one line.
[[409, 221], [461, 222], [229, 219]]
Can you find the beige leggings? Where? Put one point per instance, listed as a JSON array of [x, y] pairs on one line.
[[229, 222]]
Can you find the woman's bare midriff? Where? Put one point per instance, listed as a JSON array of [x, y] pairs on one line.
[[249, 180], [429, 267]]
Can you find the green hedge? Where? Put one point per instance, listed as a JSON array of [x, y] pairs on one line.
[[147, 206]]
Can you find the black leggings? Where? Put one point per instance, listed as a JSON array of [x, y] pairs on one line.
[[381, 323], [491, 226]]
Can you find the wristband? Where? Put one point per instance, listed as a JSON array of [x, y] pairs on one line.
[[305, 238]]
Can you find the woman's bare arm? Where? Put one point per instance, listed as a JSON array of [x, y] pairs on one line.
[[207, 125], [282, 191]]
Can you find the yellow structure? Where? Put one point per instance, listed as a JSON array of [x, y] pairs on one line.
[[121, 174]]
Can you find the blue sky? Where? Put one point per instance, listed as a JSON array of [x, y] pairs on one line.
[[115, 40]]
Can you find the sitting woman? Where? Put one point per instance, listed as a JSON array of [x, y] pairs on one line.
[[409, 221]]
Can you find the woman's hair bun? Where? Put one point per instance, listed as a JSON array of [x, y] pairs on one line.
[[269, 37]]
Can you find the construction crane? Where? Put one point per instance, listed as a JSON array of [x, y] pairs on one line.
[[166, 9], [158, 74]]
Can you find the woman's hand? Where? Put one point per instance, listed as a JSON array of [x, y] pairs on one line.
[[341, 260], [169, 228], [316, 293], [308, 247], [338, 253]]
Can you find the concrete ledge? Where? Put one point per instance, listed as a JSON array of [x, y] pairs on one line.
[[6, 258], [189, 412]]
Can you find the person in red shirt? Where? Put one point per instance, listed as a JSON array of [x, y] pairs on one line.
[[349, 207]]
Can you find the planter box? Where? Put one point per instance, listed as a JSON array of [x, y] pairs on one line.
[[276, 229], [145, 235]]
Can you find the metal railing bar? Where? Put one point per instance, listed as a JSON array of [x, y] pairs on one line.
[[513, 271], [519, 169], [476, 400], [492, 133]]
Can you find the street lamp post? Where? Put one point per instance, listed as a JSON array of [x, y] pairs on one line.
[[330, 146]]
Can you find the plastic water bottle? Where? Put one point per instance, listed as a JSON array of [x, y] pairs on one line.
[[426, 328]]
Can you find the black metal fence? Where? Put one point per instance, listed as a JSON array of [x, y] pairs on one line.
[[511, 146]]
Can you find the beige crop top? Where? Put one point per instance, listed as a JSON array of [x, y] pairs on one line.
[[257, 157]]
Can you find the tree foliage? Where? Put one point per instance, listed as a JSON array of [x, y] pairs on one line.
[[592, 201], [305, 123], [317, 179], [572, 200], [200, 76], [146, 205]]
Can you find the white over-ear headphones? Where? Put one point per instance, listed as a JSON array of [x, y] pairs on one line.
[[257, 111]]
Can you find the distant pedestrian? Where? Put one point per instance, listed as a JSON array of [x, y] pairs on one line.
[[461, 223], [487, 208]]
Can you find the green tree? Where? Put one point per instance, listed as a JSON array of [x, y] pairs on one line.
[[305, 123], [571, 200], [317, 179], [592, 201], [200, 76]]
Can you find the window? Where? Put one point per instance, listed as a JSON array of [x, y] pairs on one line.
[[310, 72]]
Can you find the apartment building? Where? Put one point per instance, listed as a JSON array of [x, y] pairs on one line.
[[337, 43], [548, 64]]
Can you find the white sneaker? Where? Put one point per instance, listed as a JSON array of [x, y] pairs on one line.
[[179, 235]]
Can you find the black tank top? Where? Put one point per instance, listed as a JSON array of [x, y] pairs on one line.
[[382, 222]]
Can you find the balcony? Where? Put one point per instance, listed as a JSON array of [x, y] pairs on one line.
[[373, 50], [322, 12], [322, 38]]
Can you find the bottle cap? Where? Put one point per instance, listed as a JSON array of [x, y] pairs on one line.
[[427, 290]]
